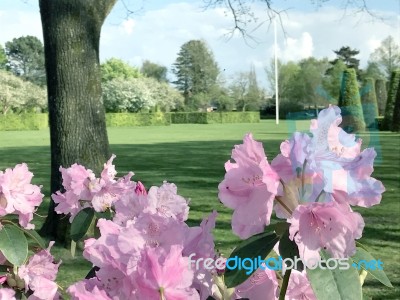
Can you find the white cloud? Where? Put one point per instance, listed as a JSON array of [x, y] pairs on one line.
[[127, 26]]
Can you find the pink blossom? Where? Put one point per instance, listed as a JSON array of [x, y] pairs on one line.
[[18, 195], [140, 189], [249, 187], [165, 201], [39, 274], [104, 252], [7, 294], [262, 284], [200, 241], [329, 226], [68, 203], [165, 275], [108, 174], [76, 178], [150, 231], [87, 290], [299, 287], [129, 206]]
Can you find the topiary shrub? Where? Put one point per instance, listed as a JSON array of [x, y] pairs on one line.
[[391, 99], [350, 103], [396, 112], [369, 103], [381, 95]]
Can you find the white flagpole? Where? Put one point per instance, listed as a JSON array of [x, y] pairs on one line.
[[276, 76]]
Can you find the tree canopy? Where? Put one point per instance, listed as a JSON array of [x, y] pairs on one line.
[[195, 69], [387, 56], [26, 58], [116, 68], [154, 70], [3, 58]]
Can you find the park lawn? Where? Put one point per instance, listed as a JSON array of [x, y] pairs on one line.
[[193, 156]]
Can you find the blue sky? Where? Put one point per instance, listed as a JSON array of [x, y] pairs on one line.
[[159, 28]]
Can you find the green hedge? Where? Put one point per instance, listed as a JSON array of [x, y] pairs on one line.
[[40, 121], [23, 122], [214, 117], [137, 119]]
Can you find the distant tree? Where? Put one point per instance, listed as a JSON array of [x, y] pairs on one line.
[[3, 58], [350, 103], [19, 95], [196, 70], [387, 56], [307, 85], [372, 70], [332, 81], [346, 55], [391, 99], [116, 68], [369, 103], [287, 77], [26, 58], [396, 112], [154, 70], [253, 96], [381, 95]]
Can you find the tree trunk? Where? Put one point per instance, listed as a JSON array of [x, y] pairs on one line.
[[71, 31]]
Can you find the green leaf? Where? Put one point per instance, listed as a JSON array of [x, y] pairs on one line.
[[35, 236], [13, 244], [289, 249], [363, 255], [104, 215], [257, 245], [81, 223], [335, 284]]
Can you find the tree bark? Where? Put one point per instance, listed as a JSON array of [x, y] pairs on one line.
[[71, 32]]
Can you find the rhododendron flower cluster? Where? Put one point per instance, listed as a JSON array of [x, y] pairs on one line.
[[18, 195], [320, 176]]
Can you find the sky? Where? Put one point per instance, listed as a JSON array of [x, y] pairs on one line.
[[158, 29]]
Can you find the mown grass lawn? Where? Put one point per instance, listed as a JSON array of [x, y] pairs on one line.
[[193, 157]]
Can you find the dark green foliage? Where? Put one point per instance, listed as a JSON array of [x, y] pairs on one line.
[[369, 103], [133, 119], [214, 117], [3, 58], [156, 71], [23, 122], [396, 112], [346, 54], [350, 103], [381, 95], [26, 58], [195, 69], [391, 99]]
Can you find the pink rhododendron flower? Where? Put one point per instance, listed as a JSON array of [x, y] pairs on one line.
[[152, 231], [165, 201], [262, 284], [103, 252], [140, 189], [165, 275], [7, 294], [129, 206], [39, 275], [87, 290], [200, 242], [76, 179], [299, 287], [18, 195], [249, 187], [329, 226]]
